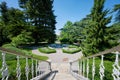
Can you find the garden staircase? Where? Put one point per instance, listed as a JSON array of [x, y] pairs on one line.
[[82, 69]]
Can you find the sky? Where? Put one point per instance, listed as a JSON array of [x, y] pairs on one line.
[[69, 10]]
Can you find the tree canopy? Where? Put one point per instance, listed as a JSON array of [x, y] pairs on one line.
[[36, 16], [93, 31]]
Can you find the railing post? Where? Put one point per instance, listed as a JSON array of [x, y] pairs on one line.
[[36, 67], [18, 69], [83, 67], [87, 67], [4, 70], [101, 68], [32, 69], [79, 67], [27, 69], [70, 61], [50, 65], [116, 68], [93, 68], [70, 66]]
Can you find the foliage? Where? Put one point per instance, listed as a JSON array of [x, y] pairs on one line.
[[47, 50], [4, 12], [117, 9], [3, 22], [66, 33], [40, 14], [23, 51], [36, 17], [114, 31], [71, 50], [96, 38], [73, 32], [22, 38]]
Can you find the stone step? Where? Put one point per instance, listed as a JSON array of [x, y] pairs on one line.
[[64, 76], [63, 71]]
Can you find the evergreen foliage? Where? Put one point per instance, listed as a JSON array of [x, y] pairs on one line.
[[117, 9], [96, 38], [40, 14], [36, 17]]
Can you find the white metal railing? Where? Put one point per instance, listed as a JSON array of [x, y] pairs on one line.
[[81, 68], [36, 68]]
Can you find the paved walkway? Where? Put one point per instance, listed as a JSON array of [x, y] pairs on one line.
[[59, 56], [60, 62]]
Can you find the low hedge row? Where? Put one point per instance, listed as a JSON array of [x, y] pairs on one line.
[[47, 50], [71, 50]]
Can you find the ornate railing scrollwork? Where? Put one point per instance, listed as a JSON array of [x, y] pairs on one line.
[[116, 68], [90, 65], [4, 70], [18, 69], [101, 68]]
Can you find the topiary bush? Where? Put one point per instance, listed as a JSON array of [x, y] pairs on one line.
[[47, 50], [71, 50]]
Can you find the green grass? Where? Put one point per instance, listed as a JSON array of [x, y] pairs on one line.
[[24, 51], [71, 50], [47, 50], [12, 63], [12, 68]]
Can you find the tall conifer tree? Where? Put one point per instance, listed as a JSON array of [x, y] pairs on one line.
[[95, 32]]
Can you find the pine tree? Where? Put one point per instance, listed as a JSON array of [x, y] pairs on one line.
[[95, 32], [117, 9], [4, 12], [40, 15]]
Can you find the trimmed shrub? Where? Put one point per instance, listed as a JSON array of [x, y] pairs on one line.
[[71, 50], [47, 50]]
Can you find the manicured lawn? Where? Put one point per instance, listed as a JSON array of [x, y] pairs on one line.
[[25, 51], [12, 63]]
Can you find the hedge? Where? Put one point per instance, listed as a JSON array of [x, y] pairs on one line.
[[47, 50]]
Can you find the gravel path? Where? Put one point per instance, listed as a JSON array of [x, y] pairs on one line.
[[59, 56]]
